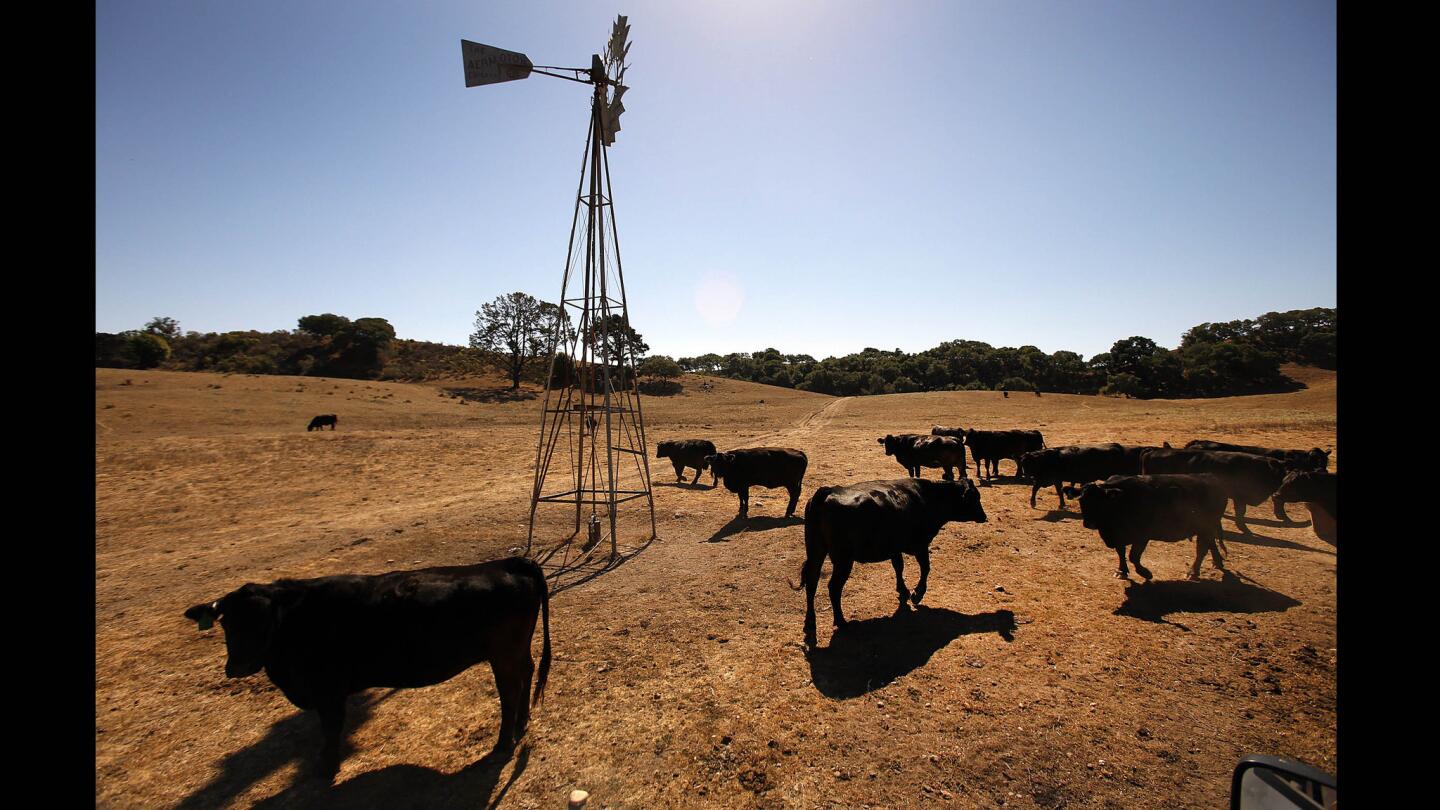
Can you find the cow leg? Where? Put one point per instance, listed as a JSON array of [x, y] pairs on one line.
[[794, 491], [1034, 488], [744, 501], [1124, 572], [924, 559], [510, 686], [1060, 493], [679, 470], [898, 561], [838, 574], [810, 575], [525, 672], [1215, 557], [1240, 518], [1280, 510], [1135, 551], [1201, 544], [332, 724], [949, 473]]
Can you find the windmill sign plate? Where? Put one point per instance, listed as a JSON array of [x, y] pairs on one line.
[[487, 65]]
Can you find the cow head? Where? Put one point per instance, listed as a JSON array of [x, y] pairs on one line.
[[1319, 459], [249, 617], [1300, 486], [889, 443], [968, 503], [720, 463], [663, 449], [1097, 501], [1036, 464]]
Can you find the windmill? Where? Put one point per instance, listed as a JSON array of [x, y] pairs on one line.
[[591, 455]]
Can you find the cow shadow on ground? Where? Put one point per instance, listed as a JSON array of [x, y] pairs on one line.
[[1057, 515], [1154, 600], [1271, 522], [1269, 542], [295, 738], [491, 395], [411, 786], [683, 485], [865, 655], [739, 525]]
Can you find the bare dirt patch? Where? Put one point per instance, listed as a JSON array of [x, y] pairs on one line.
[[1030, 678]]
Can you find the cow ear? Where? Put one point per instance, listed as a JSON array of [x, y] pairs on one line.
[[204, 614]]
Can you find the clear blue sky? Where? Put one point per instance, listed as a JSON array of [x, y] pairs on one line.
[[1061, 174]]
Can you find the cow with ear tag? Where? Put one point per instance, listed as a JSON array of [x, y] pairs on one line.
[[321, 640]]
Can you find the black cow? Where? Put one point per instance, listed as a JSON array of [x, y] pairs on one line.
[[990, 446], [1316, 489], [1302, 460], [1132, 510], [876, 521], [914, 451], [760, 467], [687, 453], [322, 639], [1079, 464], [1249, 478], [319, 422]]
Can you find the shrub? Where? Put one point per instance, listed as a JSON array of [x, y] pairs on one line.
[[1015, 384]]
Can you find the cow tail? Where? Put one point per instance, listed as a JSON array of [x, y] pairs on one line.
[[545, 653], [812, 527]]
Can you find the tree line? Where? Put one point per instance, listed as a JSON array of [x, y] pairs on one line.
[[513, 335], [323, 345], [1213, 359]]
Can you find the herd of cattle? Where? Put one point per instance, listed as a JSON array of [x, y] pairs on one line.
[[322, 639]]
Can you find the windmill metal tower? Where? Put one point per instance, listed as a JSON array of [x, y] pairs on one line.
[[590, 459]]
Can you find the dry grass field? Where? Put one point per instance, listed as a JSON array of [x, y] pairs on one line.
[[1031, 677]]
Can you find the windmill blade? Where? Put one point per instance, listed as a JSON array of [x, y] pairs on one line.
[[616, 48]]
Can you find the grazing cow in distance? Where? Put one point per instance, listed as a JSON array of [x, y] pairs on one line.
[[1317, 489], [319, 422], [1249, 479], [320, 640], [760, 467], [1132, 510], [1302, 460], [1079, 464], [687, 453], [990, 446], [875, 521], [914, 451]]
